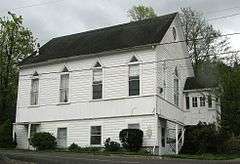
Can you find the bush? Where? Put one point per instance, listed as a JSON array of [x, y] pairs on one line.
[[6, 139], [43, 141], [73, 147], [202, 138], [131, 139], [111, 145], [232, 146]]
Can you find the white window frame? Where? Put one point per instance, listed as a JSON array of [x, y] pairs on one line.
[[176, 95], [194, 102], [202, 101], [64, 89], [34, 93], [96, 135], [137, 63], [101, 82]]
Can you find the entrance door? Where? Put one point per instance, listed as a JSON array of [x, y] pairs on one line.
[[62, 137]]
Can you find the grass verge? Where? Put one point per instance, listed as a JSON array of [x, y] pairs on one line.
[[204, 156]]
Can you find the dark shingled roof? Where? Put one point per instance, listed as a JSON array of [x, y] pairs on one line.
[[122, 36], [194, 83]]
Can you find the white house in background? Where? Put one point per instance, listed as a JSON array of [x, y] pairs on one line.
[[86, 87]]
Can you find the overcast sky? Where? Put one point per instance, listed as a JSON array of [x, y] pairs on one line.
[[52, 18]]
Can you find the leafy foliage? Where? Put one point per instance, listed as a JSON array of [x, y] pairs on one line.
[[131, 139], [141, 12], [111, 145], [16, 43], [229, 78], [73, 147], [202, 138], [6, 140], [232, 146], [203, 41], [43, 141]]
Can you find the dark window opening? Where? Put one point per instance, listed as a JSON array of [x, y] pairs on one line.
[[187, 103]]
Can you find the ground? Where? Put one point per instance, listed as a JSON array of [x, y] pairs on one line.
[[28, 157]]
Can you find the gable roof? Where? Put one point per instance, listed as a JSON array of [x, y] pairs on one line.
[[139, 33], [193, 83]]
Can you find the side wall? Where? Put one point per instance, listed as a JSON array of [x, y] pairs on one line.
[[201, 113], [79, 131], [172, 55], [115, 101]]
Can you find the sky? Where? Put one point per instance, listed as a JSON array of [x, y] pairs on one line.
[[52, 18]]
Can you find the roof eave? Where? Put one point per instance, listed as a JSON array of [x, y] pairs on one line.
[[142, 47]]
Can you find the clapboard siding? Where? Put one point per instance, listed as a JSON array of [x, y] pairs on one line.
[[79, 131]]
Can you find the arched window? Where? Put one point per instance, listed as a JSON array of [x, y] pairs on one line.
[[176, 87], [97, 81], [174, 32], [64, 85], [133, 77], [34, 89]]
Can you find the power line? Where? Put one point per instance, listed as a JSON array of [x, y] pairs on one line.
[[33, 5]]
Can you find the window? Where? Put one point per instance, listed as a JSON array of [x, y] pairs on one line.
[[133, 126], [163, 137], [97, 81], [133, 80], [194, 102], [64, 84], [176, 88], [34, 91], [96, 135], [202, 101], [174, 33], [209, 101], [187, 103]]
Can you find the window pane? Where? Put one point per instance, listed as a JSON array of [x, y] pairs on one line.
[[64, 85], [97, 91], [209, 101], [202, 101], [133, 87], [134, 70], [97, 75], [95, 135], [34, 92], [187, 103], [194, 102], [95, 140]]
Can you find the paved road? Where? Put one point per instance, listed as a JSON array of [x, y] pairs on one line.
[[70, 158]]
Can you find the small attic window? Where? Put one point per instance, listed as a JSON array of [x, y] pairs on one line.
[[176, 72], [97, 65], [65, 69], [134, 59], [35, 73], [174, 33]]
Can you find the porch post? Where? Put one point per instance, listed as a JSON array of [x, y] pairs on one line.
[[28, 135], [183, 131], [176, 138]]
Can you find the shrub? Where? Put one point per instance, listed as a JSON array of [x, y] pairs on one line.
[[131, 139], [6, 139], [43, 141], [111, 145], [232, 146], [201, 138], [73, 147]]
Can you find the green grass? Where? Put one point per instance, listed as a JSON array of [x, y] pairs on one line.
[[204, 156]]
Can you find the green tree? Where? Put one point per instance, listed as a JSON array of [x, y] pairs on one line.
[[16, 43], [229, 79], [203, 41], [141, 12]]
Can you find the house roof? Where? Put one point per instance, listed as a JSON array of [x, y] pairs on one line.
[[193, 83], [122, 36]]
